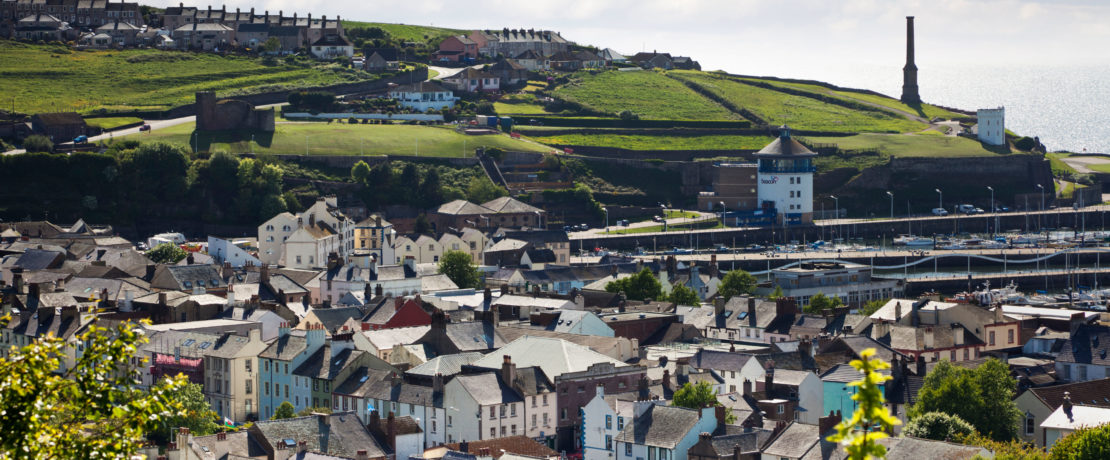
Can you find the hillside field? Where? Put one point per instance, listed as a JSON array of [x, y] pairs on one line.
[[292, 138], [53, 78], [649, 94], [407, 32]]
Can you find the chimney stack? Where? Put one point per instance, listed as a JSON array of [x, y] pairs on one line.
[[827, 423], [508, 370]]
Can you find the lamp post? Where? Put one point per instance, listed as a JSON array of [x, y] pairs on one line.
[[724, 210], [940, 200], [1040, 217], [836, 212], [891, 195], [993, 209], [606, 219], [196, 141]]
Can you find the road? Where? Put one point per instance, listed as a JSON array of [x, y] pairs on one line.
[[700, 217], [444, 72]]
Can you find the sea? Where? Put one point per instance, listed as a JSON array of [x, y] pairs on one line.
[[1067, 106]]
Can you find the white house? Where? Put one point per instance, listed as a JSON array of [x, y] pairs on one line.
[[423, 96], [807, 388], [660, 432], [1067, 418], [323, 217], [331, 46], [422, 249], [482, 407], [992, 126], [231, 251], [734, 368], [603, 419]]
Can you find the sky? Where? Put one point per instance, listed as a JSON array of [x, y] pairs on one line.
[[788, 38]]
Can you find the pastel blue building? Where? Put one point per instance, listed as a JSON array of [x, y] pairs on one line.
[[278, 362]]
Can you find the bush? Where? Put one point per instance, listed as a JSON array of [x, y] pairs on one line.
[[1025, 144], [1087, 443], [485, 108], [938, 426], [38, 143]]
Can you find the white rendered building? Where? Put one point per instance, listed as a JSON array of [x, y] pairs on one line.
[[992, 126], [785, 179]]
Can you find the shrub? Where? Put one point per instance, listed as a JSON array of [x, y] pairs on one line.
[[38, 143], [1025, 143], [938, 426]]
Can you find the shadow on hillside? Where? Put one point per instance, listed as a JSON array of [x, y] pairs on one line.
[[239, 141], [916, 106]]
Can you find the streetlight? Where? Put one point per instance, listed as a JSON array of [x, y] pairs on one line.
[[940, 202], [993, 208], [724, 210], [891, 195], [836, 222], [195, 141], [1040, 217], [606, 219]]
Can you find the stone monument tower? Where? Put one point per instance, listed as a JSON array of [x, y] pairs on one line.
[[909, 72]]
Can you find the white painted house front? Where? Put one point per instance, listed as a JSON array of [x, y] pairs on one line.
[[423, 96], [785, 179]]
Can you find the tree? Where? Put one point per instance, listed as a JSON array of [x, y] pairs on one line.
[[422, 226], [873, 306], [1087, 443], [458, 266], [285, 410], [485, 108], [683, 295], [1009, 450], [860, 433], [360, 172], [38, 143], [776, 294], [938, 426], [982, 396], [166, 253], [271, 45], [640, 286], [821, 302], [736, 282], [196, 414], [89, 409], [481, 190], [313, 410], [699, 396]]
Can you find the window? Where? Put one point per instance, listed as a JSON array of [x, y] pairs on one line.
[[608, 422], [1082, 373], [266, 389], [781, 409], [286, 368], [513, 431], [286, 391], [545, 399], [512, 410], [1030, 424], [608, 442], [298, 259], [247, 365], [628, 449], [564, 414], [620, 422], [492, 412], [1010, 336], [448, 420], [502, 411], [503, 430], [533, 420], [248, 386], [992, 338]]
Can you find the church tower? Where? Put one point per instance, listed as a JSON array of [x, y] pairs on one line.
[[909, 72]]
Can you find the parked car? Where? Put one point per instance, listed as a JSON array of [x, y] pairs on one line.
[[722, 248], [657, 219], [583, 227], [966, 209], [940, 212], [81, 139], [144, 127], [978, 211], [1001, 208]]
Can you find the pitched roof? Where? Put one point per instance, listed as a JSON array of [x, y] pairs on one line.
[[719, 360], [447, 365], [1089, 344], [322, 365], [660, 426], [285, 348], [519, 445], [794, 441], [784, 145], [555, 356], [340, 434], [423, 87], [508, 204], [1080, 416], [488, 389], [463, 207], [1089, 393]]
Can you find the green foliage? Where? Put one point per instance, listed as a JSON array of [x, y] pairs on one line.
[[284, 411], [736, 282], [38, 143], [982, 396], [90, 410], [821, 302], [655, 140], [481, 190], [1025, 143], [938, 426], [271, 45], [260, 195], [776, 294], [872, 306], [859, 433], [317, 101], [683, 295], [640, 286], [1087, 443], [458, 266], [695, 396], [422, 226], [195, 414], [1009, 450], [485, 108], [166, 253]]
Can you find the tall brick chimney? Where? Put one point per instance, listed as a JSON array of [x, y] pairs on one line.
[[909, 72]]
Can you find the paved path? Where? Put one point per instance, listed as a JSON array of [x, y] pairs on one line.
[[700, 217], [1082, 163]]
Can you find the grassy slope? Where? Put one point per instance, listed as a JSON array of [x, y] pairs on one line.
[[50, 78], [344, 139], [110, 123], [651, 95], [797, 111], [711, 142], [910, 145], [925, 110], [407, 32]]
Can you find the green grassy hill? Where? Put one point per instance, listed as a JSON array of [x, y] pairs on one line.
[[318, 138], [407, 32], [651, 95], [53, 78]]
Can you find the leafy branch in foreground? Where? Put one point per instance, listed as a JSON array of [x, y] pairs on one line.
[[856, 433], [90, 410]]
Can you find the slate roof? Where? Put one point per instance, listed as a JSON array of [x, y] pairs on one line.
[[1089, 344], [844, 373], [322, 365], [797, 361], [519, 445], [342, 435], [719, 360], [660, 426], [333, 318], [472, 336], [285, 348], [555, 356], [189, 276], [235, 445], [1089, 393], [361, 381], [447, 365], [488, 389], [387, 338], [404, 392], [507, 204], [39, 259], [541, 256], [439, 282], [332, 40], [785, 145], [463, 207], [794, 441]]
